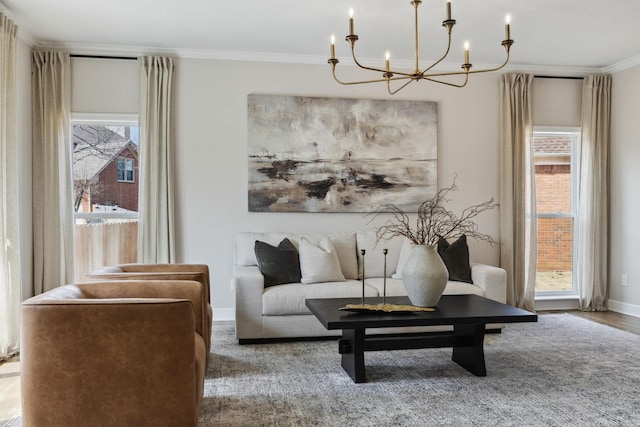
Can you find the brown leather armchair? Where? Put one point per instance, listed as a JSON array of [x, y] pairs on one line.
[[199, 272], [124, 353]]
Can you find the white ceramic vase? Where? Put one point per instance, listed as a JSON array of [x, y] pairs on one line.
[[424, 276]]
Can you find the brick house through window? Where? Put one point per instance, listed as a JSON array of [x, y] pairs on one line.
[[554, 204], [105, 169]]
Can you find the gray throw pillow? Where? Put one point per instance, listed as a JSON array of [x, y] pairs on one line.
[[456, 258], [279, 264]]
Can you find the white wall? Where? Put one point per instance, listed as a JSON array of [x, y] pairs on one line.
[[557, 102], [625, 195], [211, 155], [104, 86]]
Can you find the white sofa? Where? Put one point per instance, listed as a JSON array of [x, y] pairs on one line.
[[279, 311]]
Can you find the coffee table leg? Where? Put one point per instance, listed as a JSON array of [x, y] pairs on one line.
[[351, 346], [468, 350]]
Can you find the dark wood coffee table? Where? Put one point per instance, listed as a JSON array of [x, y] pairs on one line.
[[468, 314]]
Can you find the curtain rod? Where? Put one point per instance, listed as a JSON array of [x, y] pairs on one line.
[[125, 58], [558, 77]]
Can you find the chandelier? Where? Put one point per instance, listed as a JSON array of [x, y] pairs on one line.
[[403, 78]]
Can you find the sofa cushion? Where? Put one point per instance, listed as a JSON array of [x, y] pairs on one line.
[[456, 258], [289, 299], [279, 264], [319, 263], [395, 287], [374, 258]]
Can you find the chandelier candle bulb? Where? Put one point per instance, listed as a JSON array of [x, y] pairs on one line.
[[507, 28], [466, 52], [448, 10], [351, 22], [333, 47], [386, 60]]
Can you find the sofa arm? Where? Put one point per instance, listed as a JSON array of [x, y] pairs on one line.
[[249, 287], [492, 279], [109, 361]]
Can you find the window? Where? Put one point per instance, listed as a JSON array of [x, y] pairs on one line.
[[125, 170], [105, 163], [554, 157]]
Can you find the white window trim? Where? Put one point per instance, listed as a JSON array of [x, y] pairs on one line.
[[563, 130], [104, 119]]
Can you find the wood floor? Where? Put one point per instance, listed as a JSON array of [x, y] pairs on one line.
[[10, 370], [9, 389]]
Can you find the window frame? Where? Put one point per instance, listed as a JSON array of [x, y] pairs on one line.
[[104, 119], [128, 167], [575, 134]]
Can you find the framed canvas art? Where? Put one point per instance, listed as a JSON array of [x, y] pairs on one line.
[[310, 154]]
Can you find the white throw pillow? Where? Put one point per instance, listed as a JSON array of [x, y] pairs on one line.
[[345, 246], [319, 263], [405, 251]]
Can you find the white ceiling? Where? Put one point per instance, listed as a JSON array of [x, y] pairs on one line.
[[567, 34]]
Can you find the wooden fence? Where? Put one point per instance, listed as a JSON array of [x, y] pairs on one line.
[[98, 245]]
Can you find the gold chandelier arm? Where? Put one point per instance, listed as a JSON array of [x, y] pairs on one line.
[[456, 73], [466, 80], [441, 58], [335, 77], [398, 89], [491, 69], [364, 67]]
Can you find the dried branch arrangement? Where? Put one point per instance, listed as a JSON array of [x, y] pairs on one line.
[[433, 222]]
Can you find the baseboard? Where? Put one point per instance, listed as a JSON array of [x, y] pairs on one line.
[[624, 308], [224, 314], [552, 304]]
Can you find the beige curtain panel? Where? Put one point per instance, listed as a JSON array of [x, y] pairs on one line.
[[593, 194], [52, 180], [517, 190], [156, 227], [10, 287]]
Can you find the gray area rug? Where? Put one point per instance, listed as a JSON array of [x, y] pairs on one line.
[[562, 371]]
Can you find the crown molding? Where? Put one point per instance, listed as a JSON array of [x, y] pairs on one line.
[[244, 56], [622, 65]]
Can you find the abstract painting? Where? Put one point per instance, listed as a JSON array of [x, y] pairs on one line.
[[309, 154]]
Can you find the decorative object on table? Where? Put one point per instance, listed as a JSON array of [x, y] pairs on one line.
[[384, 278], [428, 72], [385, 308], [424, 274], [309, 154], [362, 252]]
